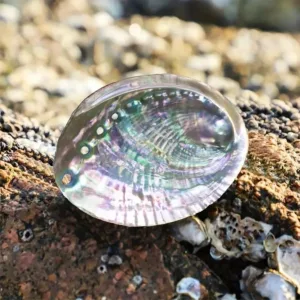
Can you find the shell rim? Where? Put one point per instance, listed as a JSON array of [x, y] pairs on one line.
[[169, 81]]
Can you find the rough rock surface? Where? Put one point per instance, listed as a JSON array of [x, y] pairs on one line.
[[51, 250], [51, 58]]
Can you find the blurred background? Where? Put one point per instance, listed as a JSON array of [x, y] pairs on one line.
[[265, 14], [54, 53], [278, 15]]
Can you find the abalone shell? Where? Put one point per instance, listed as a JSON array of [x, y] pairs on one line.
[[150, 150]]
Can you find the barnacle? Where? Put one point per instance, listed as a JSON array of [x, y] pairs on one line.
[[191, 230], [257, 284], [233, 236], [189, 286], [229, 235], [286, 259]]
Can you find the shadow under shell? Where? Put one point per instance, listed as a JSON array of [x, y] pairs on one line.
[[147, 155]]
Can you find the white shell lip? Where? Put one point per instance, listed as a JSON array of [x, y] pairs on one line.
[[136, 217]]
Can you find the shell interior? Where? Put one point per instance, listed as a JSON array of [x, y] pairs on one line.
[[150, 150]]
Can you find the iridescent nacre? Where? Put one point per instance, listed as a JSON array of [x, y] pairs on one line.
[[150, 150]]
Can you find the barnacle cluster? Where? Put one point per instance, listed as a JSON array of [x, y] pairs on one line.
[[231, 236]]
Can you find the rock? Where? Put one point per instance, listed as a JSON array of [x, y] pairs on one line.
[[281, 66], [129, 60], [81, 22], [32, 76], [207, 62], [96, 250], [148, 69], [37, 104], [9, 13], [77, 87], [223, 84], [280, 103], [291, 136], [190, 32], [34, 10], [115, 35], [205, 46], [289, 82], [14, 97], [102, 19], [271, 90]]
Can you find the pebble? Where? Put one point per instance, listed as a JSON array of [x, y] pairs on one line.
[[137, 280], [147, 70], [115, 260], [291, 136], [256, 81], [206, 62], [32, 76], [295, 116], [271, 90], [115, 35], [205, 47], [104, 258], [9, 13], [80, 22], [102, 19], [289, 82], [129, 59], [36, 104], [280, 66], [253, 124], [14, 96], [16, 248], [274, 126], [193, 33], [78, 87], [281, 104], [223, 84], [296, 103]]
